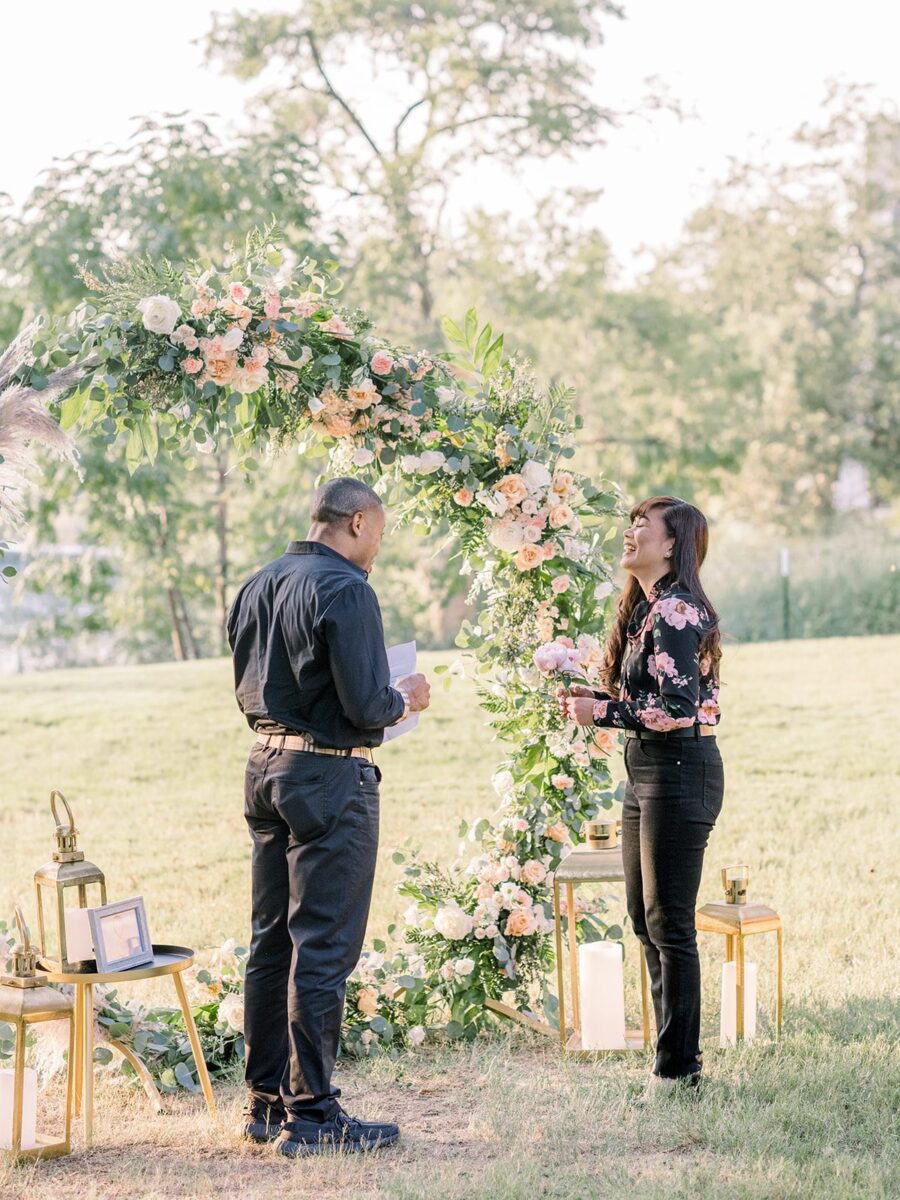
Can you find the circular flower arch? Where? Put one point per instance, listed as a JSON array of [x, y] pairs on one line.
[[465, 441]]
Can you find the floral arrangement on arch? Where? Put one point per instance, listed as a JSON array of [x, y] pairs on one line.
[[260, 353]]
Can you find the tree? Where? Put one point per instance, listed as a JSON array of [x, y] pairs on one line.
[[459, 83]]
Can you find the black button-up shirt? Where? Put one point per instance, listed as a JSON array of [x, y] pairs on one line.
[[666, 682], [308, 646]]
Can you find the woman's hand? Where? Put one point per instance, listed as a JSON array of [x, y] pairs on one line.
[[563, 694], [580, 708]]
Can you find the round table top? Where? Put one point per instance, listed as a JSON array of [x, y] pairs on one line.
[[167, 960]]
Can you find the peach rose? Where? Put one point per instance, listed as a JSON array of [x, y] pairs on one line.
[[221, 370], [604, 743], [558, 832], [362, 395], [520, 923], [367, 1001], [512, 488], [463, 497], [533, 872], [382, 363], [562, 781], [528, 557], [560, 516], [563, 482], [337, 424]]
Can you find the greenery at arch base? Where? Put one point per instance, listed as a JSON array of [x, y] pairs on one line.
[[463, 444]]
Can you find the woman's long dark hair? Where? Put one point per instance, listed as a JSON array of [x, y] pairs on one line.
[[687, 525]]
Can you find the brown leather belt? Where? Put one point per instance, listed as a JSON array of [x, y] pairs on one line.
[[290, 741], [653, 735]]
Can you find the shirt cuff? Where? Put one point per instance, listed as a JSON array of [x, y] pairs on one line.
[[405, 699], [599, 712]]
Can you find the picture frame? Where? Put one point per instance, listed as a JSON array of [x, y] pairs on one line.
[[120, 935]]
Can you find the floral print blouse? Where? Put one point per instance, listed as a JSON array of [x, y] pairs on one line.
[[665, 683]]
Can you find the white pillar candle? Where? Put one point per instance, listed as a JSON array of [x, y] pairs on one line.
[[728, 1020], [79, 940], [29, 1109], [602, 990]]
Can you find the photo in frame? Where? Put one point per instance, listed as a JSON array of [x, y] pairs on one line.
[[120, 935]]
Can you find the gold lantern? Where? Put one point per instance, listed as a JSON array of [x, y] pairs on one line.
[[68, 883], [25, 1001]]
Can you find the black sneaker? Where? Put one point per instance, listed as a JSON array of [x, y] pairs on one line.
[[261, 1121], [299, 1138]]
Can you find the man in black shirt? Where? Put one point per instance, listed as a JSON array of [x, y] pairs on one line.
[[312, 679]]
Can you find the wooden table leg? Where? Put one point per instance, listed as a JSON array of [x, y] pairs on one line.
[[87, 1013], [202, 1072], [78, 1054]]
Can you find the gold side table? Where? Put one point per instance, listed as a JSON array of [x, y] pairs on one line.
[[585, 865], [737, 922], [167, 960]]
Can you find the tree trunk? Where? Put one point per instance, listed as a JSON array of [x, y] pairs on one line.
[[178, 646], [185, 623]]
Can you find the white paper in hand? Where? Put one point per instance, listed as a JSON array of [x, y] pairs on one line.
[[402, 662]]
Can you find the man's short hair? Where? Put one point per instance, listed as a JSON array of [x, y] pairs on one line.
[[339, 499]]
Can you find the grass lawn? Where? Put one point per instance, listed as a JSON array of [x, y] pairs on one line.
[[151, 759]]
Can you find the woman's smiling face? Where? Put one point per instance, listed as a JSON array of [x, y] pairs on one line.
[[647, 545]]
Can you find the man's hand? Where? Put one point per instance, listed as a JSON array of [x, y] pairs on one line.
[[416, 690]]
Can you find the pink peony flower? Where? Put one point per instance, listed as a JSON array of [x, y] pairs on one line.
[[382, 363], [550, 657]]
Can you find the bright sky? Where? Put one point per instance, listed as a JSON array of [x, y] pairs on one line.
[[73, 75]]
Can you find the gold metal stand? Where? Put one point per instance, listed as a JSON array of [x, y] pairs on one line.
[[737, 922], [167, 960]]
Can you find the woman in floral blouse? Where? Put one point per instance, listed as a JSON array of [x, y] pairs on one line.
[[661, 687]]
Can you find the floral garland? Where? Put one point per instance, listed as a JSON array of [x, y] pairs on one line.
[[463, 440]]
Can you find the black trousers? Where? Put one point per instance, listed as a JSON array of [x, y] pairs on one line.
[[672, 798], [313, 819]]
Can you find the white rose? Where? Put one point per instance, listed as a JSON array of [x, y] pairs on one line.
[[535, 476], [452, 923], [507, 535], [415, 918], [493, 502], [416, 1035], [602, 590], [410, 463], [159, 314], [503, 782], [231, 1011], [233, 338], [362, 457], [465, 966], [431, 461], [245, 381]]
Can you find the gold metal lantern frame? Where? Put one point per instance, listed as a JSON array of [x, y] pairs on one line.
[[27, 1001]]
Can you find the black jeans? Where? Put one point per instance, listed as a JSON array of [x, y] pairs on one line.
[[672, 798], [313, 819]]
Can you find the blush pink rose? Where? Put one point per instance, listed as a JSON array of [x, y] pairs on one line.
[[520, 923], [192, 365], [561, 584], [512, 488], [533, 872], [463, 497], [272, 306], [561, 515], [528, 558], [382, 363], [562, 781], [238, 292]]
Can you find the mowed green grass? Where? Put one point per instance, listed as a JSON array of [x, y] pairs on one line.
[[151, 759]]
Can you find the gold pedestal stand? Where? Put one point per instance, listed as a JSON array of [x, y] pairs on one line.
[[737, 922], [167, 960]]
